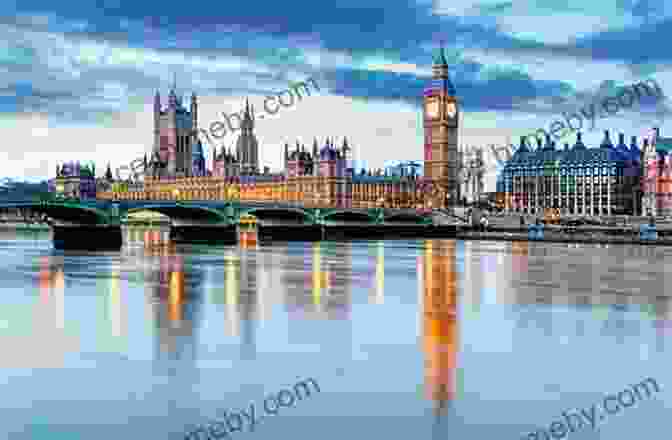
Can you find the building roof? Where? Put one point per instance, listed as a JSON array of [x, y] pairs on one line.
[[358, 178], [664, 145], [578, 155], [197, 151]]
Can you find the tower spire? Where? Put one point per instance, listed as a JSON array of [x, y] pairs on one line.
[[442, 55], [172, 96], [440, 72]]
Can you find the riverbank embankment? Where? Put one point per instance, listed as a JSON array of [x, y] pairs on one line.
[[560, 234]]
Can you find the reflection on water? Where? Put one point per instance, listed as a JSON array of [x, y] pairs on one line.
[[180, 331], [440, 333]]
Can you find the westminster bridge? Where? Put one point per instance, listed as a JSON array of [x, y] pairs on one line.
[[96, 223]]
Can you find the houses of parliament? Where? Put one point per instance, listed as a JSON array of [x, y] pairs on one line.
[[321, 175]]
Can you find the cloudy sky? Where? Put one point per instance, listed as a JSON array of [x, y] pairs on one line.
[[77, 77]]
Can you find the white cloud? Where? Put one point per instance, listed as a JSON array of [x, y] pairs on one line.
[[581, 73], [326, 59], [541, 20], [547, 28]]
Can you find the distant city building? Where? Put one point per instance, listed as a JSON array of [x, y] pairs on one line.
[[657, 175], [225, 164], [577, 180], [403, 168], [74, 180], [245, 161], [198, 168], [471, 174]]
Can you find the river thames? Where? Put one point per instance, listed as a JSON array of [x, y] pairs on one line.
[[425, 339]]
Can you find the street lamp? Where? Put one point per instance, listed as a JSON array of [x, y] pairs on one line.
[[176, 193]]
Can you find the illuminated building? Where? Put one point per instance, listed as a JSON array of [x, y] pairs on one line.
[[319, 178], [324, 177], [441, 115]]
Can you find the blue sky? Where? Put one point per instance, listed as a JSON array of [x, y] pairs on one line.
[[77, 77]]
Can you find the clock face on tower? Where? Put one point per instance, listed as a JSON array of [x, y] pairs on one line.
[[432, 108], [451, 109]]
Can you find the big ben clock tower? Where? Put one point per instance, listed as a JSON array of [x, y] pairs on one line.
[[441, 115]]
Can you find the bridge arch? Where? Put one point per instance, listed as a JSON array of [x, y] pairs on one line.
[[182, 212], [283, 213], [65, 211]]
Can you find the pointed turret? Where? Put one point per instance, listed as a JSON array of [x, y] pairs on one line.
[[345, 147], [523, 145], [316, 149], [194, 116], [157, 109], [634, 149], [621, 144], [606, 141], [549, 144], [579, 145], [172, 100], [108, 173]]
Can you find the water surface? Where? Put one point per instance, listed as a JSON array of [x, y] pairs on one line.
[[407, 339]]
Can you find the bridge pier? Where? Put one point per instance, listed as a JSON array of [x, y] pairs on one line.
[[87, 237]]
